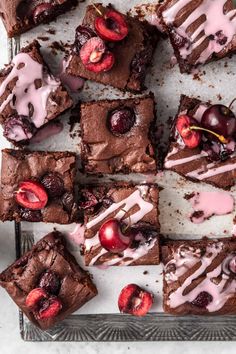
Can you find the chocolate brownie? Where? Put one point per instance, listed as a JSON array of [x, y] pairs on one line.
[[200, 276], [200, 31], [47, 283], [130, 211], [38, 186], [210, 161], [124, 62], [116, 136], [20, 15], [30, 96]]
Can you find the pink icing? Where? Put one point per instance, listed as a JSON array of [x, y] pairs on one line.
[[47, 131], [211, 203], [74, 83], [172, 163], [78, 234], [17, 133], [212, 9], [27, 71]]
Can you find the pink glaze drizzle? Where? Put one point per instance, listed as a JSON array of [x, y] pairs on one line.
[[74, 83], [27, 71], [77, 235], [211, 203], [212, 9]]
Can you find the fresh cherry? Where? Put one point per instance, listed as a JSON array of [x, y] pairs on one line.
[[49, 308], [82, 35], [95, 56], [135, 300], [203, 299], [35, 297], [31, 195], [111, 26], [50, 282], [120, 121], [41, 11], [53, 184], [112, 237], [191, 138], [219, 119]]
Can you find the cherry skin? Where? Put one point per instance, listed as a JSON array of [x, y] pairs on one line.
[[191, 138], [219, 119], [120, 121], [112, 238], [31, 195], [111, 26]]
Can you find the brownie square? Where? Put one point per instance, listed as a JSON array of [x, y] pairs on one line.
[[199, 31], [200, 277], [203, 163], [20, 16], [30, 96], [116, 136], [53, 173], [136, 208], [133, 55], [50, 268]]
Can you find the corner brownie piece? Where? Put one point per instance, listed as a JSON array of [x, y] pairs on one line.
[[211, 161], [200, 277], [116, 136], [124, 62], [200, 31], [130, 211], [19, 16], [30, 96], [47, 283], [38, 186]]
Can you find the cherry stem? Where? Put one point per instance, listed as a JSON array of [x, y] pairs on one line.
[[126, 227], [220, 137], [232, 103], [97, 9]]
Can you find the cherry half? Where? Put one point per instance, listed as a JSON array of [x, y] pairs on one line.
[[31, 195], [190, 137], [95, 56], [113, 238], [135, 300], [111, 26]]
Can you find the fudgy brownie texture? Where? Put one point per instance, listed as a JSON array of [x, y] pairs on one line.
[[199, 276], [133, 55], [200, 163], [52, 171], [20, 15], [52, 268], [200, 31], [30, 96], [116, 136], [135, 206]]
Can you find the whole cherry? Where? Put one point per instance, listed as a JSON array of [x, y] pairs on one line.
[[111, 26], [113, 238], [121, 120]]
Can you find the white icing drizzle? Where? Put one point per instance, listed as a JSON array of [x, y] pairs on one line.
[[27, 71], [136, 198]]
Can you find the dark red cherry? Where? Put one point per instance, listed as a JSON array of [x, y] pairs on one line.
[[54, 184], [82, 35], [50, 282], [111, 26], [203, 299], [219, 119], [42, 11], [120, 121], [191, 138]]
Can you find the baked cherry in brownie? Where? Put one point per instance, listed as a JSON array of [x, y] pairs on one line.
[[48, 291], [38, 186], [30, 96], [203, 143], [116, 233], [112, 48], [20, 15], [195, 35], [123, 141], [199, 276]]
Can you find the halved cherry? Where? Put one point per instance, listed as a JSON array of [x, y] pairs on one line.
[[190, 137], [31, 195], [135, 300], [113, 238], [35, 297], [95, 56], [111, 26], [49, 308]]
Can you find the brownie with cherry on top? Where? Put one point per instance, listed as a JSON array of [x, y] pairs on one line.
[[121, 224], [199, 276], [200, 31], [112, 49], [203, 143], [19, 16], [38, 186], [30, 96], [117, 136], [47, 283]]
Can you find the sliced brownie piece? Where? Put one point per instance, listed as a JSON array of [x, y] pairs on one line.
[[47, 283], [122, 208]]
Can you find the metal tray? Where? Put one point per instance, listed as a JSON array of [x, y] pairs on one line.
[[167, 83]]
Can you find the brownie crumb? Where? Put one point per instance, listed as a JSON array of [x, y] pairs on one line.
[[189, 196], [44, 39], [145, 272]]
